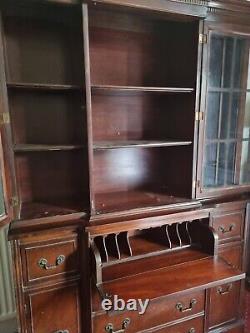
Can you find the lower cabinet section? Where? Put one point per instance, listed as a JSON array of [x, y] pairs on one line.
[[56, 310], [189, 326], [224, 304], [159, 312]]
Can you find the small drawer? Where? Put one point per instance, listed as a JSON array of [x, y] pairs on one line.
[[43, 260], [229, 226], [226, 300], [55, 311], [232, 254], [159, 312], [189, 326]]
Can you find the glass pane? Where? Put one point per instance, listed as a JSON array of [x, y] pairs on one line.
[[225, 116], [245, 163], [231, 155], [246, 127], [216, 60], [239, 62], [227, 73], [210, 165], [221, 169], [212, 119]]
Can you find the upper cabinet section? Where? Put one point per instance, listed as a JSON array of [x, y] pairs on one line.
[[142, 98], [225, 131]]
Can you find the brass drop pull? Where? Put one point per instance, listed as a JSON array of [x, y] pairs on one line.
[[225, 231], [192, 330], [43, 263], [222, 291], [62, 331], [181, 308], [110, 328]]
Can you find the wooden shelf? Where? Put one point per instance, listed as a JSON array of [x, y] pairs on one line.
[[35, 210], [18, 148], [133, 200], [43, 86], [111, 89], [101, 145]]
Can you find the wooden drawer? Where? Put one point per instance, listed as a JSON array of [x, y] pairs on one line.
[[190, 326], [46, 259], [229, 225], [226, 300], [56, 310], [232, 254], [159, 312]]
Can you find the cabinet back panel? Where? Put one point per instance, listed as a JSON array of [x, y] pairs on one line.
[[143, 117], [137, 51], [47, 118], [51, 176], [41, 51], [164, 170]]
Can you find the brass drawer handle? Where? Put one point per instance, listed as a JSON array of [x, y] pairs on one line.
[[43, 264], [222, 291], [62, 331], [192, 330], [110, 328], [226, 231], [180, 306]]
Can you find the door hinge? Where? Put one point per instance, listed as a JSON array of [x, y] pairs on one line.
[[196, 184], [4, 118], [203, 39], [14, 201], [199, 116]]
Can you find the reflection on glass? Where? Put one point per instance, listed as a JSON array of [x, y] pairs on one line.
[[213, 109], [216, 57], [246, 127], [240, 49], [210, 165], [245, 163]]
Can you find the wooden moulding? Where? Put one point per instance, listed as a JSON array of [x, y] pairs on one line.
[[194, 8]]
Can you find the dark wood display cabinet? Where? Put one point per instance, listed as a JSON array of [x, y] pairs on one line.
[[125, 127]]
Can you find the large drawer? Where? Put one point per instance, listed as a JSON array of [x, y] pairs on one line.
[[190, 326], [226, 300], [49, 258], [159, 312]]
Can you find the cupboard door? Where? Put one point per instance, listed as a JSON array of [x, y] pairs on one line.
[[225, 130], [56, 310], [224, 304]]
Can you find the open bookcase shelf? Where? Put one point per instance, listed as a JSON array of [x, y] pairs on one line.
[[139, 144], [43, 87], [36, 148], [111, 89]]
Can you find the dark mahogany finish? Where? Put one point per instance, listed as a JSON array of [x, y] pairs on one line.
[[124, 130]]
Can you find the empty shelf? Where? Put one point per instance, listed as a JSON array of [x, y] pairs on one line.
[[101, 145]]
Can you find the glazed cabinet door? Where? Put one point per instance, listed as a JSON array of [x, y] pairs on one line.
[[53, 310], [224, 154]]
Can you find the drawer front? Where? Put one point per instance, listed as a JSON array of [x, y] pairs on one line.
[[233, 255], [229, 226], [54, 311], [159, 312], [226, 300], [43, 260], [190, 326]]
